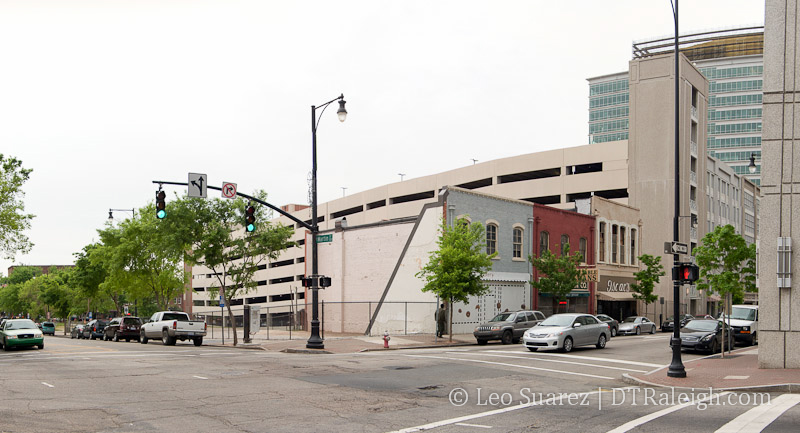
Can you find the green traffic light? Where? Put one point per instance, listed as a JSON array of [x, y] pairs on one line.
[[161, 214], [251, 227]]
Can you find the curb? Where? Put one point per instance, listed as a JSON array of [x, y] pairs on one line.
[[307, 351], [793, 388]]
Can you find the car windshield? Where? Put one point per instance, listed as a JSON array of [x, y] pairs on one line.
[[502, 317], [21, 324], [629, 320], [740, 313], [701, 325], [558, 321]]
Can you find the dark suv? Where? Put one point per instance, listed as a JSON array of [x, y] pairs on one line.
[[123, 328], [94, 329], [507, 327]]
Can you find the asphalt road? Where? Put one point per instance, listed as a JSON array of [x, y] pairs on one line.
[[97, 386]]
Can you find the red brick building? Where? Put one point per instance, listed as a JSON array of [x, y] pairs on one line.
[[554, 229]]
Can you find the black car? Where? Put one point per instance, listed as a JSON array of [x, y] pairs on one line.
[[613, 324], [123, 328], [666, 326], [77, 331], [94, 329], [705, 335]]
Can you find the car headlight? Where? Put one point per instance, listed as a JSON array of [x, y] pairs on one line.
[[11, 337], [476, 329], [707, 337], [554, 334], [496, 328], [745, 328], [37, 335]]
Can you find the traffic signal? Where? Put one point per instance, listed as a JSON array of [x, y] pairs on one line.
[[250, 219], [161, 205], [686, 273]]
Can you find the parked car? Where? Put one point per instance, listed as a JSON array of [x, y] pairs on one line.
[[49, 328], [123, 328], [705, 335], [507, 327], [566, 331], [612, 323], [744, 321], [170, 326], [77, 331], [636, 325], [666, 326], [94, 329], [20, 333]]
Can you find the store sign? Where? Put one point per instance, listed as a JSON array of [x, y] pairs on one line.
[[615, 284]]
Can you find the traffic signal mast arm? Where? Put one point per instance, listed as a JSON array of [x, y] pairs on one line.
[[276, 209]]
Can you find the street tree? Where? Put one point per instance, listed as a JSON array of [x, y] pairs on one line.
[[727, 266], [559, 275], [455, 271], [647, 278], [217, 239], [13, 220], [12, 301]]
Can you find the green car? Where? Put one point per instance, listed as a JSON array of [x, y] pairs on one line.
[[49, 328], [20, 332]]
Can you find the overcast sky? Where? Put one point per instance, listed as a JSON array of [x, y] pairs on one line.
[[100, 98]]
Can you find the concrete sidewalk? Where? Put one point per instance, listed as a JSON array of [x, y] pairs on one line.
[[280, 341], [737, 371]]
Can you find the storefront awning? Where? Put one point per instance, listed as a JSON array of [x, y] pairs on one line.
[[615, 296]]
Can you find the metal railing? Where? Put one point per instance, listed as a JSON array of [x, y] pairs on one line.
[[354, 316]]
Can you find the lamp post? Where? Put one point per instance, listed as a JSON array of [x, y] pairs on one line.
[[752, 167], [676, 368], [315, 341]]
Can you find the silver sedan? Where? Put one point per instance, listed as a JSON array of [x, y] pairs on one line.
[[566, 331]]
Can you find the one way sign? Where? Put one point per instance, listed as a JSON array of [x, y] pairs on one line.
[[197, 185], [675, 248]]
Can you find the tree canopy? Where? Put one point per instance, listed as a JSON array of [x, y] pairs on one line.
[[727, 263], [560, 274], [13, 220]]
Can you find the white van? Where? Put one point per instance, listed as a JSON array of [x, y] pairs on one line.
[[744, 321]]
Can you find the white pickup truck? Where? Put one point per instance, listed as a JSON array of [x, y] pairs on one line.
[[169, 326]]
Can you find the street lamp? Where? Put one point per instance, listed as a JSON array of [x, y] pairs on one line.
[[752, 166], [315, 341], [111, 213]]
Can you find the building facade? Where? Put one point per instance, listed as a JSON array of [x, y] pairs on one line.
[[733, 63]]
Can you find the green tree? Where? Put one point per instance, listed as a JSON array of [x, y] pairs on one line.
[[12, 219], [87, 275], [647, 278], [559, 274], [214, 236], [727, 265], [12, 299], [455, 270]]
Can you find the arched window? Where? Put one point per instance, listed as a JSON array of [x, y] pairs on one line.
[[517, 243], [491, 238], [564, 244], [544, 242]]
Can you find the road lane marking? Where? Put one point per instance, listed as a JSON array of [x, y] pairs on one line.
[[630, 425], [761, 416], [48, 385], [494, 412], [585, 364], [201, 377], [589, 358], [512, 365], [472, 425]]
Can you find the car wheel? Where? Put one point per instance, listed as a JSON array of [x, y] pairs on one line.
[[166, 339], [116, 337], [40, 346], [143, 338], [533, 349], [613, 332], [754, 341], [515, 341], [71, 336], [5, 346], [506, 338], [481, 342], [92, 337], [638, 331], [601, 342], [198, 341], [138, 339], [567, 345], [653, 329], [715, 347]]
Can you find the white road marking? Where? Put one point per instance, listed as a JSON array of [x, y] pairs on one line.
[[630, 425], [736, 377], [759, 417], [48, 385], [561, 362], [201, 377], [473, 425], [512, 365], [491, 412], [589, 358]]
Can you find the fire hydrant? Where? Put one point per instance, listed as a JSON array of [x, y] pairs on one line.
[[386, 339]]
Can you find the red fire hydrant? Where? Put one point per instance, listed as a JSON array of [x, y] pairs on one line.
[[386, 339]]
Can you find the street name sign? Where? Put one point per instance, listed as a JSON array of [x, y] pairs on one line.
[[675, 248], [324, 238], [197, 185]]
